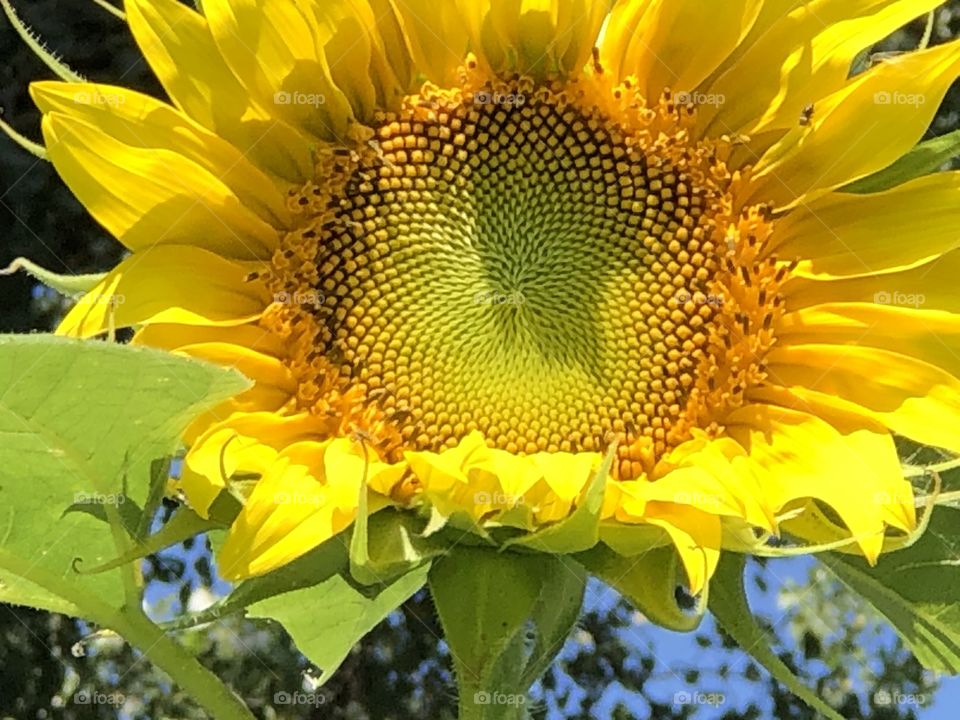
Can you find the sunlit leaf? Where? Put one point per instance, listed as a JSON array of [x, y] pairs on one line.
[[81, 424]]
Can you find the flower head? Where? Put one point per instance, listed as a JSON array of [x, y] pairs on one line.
[[466, 249]]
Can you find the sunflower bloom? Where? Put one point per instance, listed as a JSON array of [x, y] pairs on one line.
[[462, 249]]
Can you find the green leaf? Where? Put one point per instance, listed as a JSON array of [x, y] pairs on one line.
[[81, 423], [581, 530], [917, 589], [925, 158], [317, 566], [64, 284], [184, 524], [492, 605], [649, 581], [728, 603], [327, 619]]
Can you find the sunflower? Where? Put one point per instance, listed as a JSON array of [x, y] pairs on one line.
[[467, 250]]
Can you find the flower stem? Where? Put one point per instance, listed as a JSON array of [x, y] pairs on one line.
[[220, 702], [184, 669], [505, 616]]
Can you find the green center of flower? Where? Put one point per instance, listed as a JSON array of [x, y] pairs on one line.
[[516, 263]]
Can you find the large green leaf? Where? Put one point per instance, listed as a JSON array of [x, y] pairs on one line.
[[327, 619], [925, 158], [728, 603], [917, 590], [81, 425]]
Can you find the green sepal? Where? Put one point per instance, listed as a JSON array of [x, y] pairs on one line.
[[33, 42], [630, 540], [728, 603], [925, 158], [394, 545], [581, 529], [649, 581], [505, 617], [69, 285]]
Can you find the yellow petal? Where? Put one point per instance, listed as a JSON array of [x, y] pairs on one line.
[[864, 127], [517, 475], [436, 35], [444, 469], [461, 479], [170, 283], [567, 473], [929, 335], [141, 121], [177, 43], [911, 397], [276, 51], [360, 66], [152, 197], [696, 535], [396, 54], [929, 286], [536, 36], [214, 459], [842, 234], [706, 479], [345, 458], [290, 512], [797, 455], [173, 337], [270, 429], [674, 44], [797, 54]]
